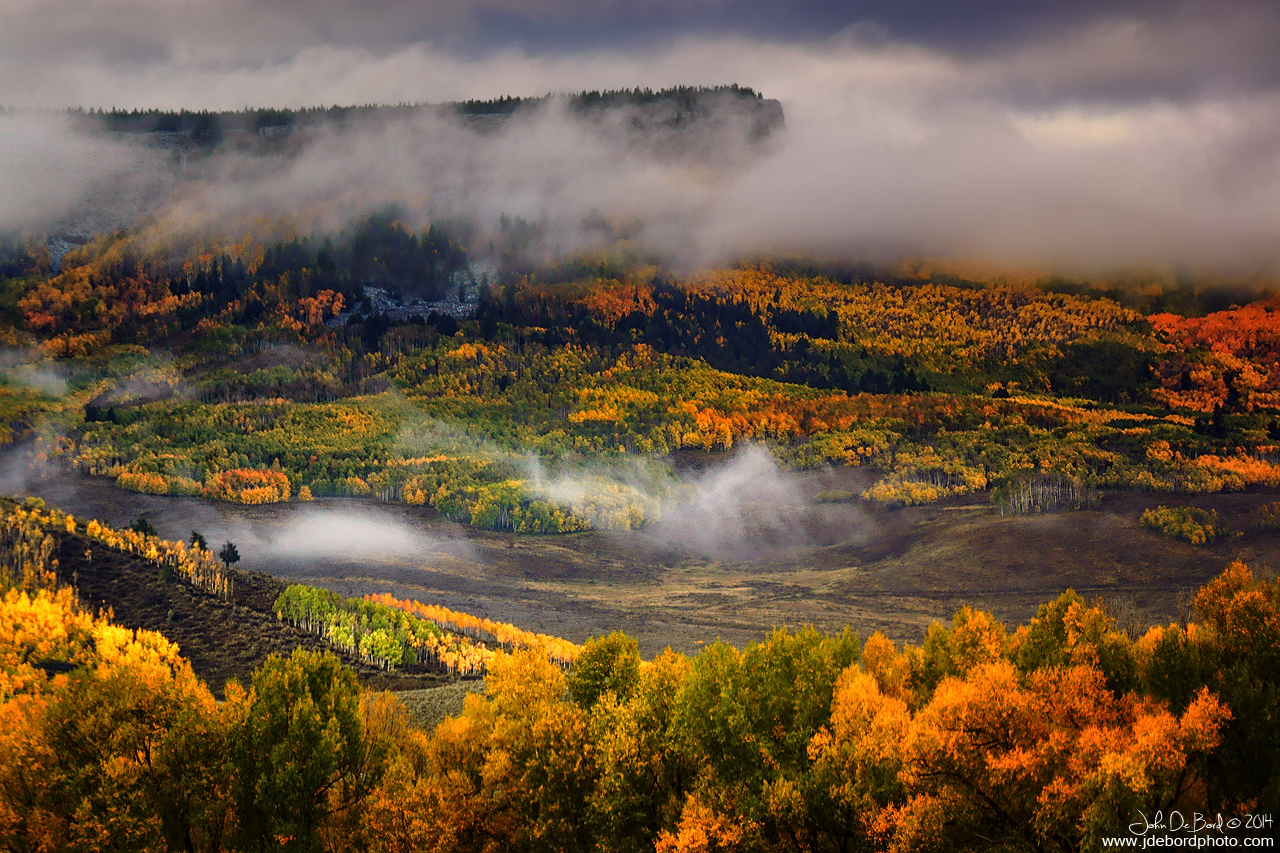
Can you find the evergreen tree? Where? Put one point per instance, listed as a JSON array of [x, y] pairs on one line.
[[229, 555]]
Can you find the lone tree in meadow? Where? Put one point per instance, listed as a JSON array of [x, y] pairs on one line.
[[229, 555]]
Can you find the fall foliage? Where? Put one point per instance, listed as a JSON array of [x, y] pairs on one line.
[[1047, 738], [302, 363]]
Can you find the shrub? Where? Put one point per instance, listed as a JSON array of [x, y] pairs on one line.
[[143, 481], [248, 486], [904, 493], [1195, 525], [151, 483], [355, 487]]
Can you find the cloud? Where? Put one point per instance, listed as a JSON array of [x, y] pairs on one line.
[[31, 370], [744, 508], [183, 54], [356, 534], [45, 167], [293, 541], [1119, 137], [899, 169], [1186, 52], [547, 167], [101, 49]]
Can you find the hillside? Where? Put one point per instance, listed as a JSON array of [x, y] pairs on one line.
[[224, 637], [1050, 736]]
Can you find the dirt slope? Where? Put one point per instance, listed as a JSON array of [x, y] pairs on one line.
[[222, 639]]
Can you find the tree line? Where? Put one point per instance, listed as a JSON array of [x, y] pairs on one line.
[[210, 127]]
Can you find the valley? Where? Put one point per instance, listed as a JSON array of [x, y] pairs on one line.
[[873, 569]]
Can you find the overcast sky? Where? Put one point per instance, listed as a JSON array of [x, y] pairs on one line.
[[1117, 131], [229, 53]]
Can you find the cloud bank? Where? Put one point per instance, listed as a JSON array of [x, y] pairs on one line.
[[743, 508], [1107, 140], [352, 535]]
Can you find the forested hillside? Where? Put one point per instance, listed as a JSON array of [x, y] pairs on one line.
[[375, 363], [672, 107]]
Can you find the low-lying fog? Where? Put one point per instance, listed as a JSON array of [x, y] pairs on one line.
[[742, 547], [747, 508], [741, 508]]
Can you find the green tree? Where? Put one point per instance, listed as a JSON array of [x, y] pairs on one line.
[[1068, 631], [643, 776], [746, 720], [1239, 648], [141, 525], [606, 665], [517, 767], [974, 638], [382, 647], [301, 753], [198, 541], [856, 778]]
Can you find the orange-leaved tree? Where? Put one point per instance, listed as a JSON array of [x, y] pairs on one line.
[[1050, 762]]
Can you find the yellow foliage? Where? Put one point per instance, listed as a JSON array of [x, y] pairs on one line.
[[703, 830], [557, 649], [1197, 526], [33, 629], [1239, 472], [1050, 758], [25, 529], [248, 486], [890, 668]]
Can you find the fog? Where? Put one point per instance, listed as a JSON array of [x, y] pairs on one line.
[[745, 508], [354, 535], [1116, 142], [546, 168], [299, 538], [46, 169], [286, 539], [28, 369], [610, 495], [741, 508]]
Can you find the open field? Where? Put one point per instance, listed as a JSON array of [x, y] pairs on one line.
[[829, 564]]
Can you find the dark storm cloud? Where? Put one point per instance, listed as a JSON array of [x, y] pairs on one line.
[[1193, 50]]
